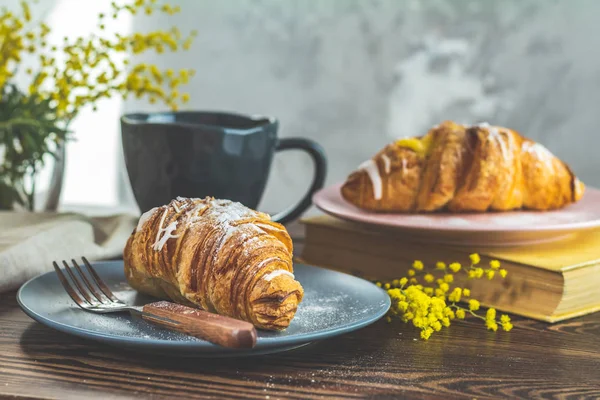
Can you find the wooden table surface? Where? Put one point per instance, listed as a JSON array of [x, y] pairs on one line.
[[534, 360]]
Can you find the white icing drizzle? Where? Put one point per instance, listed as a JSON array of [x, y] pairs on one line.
[[195, 217], [184, 202], [371, 168], [404, 168], [483, 125], [387, 163], [176, 208], [277, 272], [167, 232], [144, 218]]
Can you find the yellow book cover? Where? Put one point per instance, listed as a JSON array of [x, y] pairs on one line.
[[550, 282], [579, 250]]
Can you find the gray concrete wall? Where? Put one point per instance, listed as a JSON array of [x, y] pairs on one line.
[[353, 75]]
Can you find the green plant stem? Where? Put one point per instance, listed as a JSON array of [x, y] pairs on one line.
[[455, 306], [31, 194], [19, 121]]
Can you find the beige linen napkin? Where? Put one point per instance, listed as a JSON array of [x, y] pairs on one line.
[[29, 242]]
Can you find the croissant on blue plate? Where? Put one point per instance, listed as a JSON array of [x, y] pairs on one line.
[[217, 255]]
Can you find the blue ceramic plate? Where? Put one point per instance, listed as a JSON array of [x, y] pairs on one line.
[[334, 303]]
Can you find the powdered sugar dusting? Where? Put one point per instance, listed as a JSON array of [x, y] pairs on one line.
[[229, 218], [495, 135], [310, 314], [540, 152], [318, 310]]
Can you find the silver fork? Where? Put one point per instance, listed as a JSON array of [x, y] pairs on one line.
[[94, 295]]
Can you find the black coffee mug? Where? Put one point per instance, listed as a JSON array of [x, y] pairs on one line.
[[218, 154]]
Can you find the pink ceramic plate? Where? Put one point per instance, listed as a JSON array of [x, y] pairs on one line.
[[485, 229]]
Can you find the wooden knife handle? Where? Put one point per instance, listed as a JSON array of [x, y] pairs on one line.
[[214, 328]]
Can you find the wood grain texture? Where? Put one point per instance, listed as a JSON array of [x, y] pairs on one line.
[[535, 360], [228, 332]]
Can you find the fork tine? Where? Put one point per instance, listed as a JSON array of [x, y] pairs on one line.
[[83, 292], [65, 283], [99, 281], [87, 283]]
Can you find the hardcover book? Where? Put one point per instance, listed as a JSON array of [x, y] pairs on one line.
[[550, 282]]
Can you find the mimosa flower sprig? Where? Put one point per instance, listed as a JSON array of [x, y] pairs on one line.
[[95, 66], [67, 76], [428, 299]]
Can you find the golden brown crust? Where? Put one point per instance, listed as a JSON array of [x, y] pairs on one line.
[[217, 255], [401, 185], [440, 177], [463, 168]]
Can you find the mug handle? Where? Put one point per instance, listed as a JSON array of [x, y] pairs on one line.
[[318, 156]]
